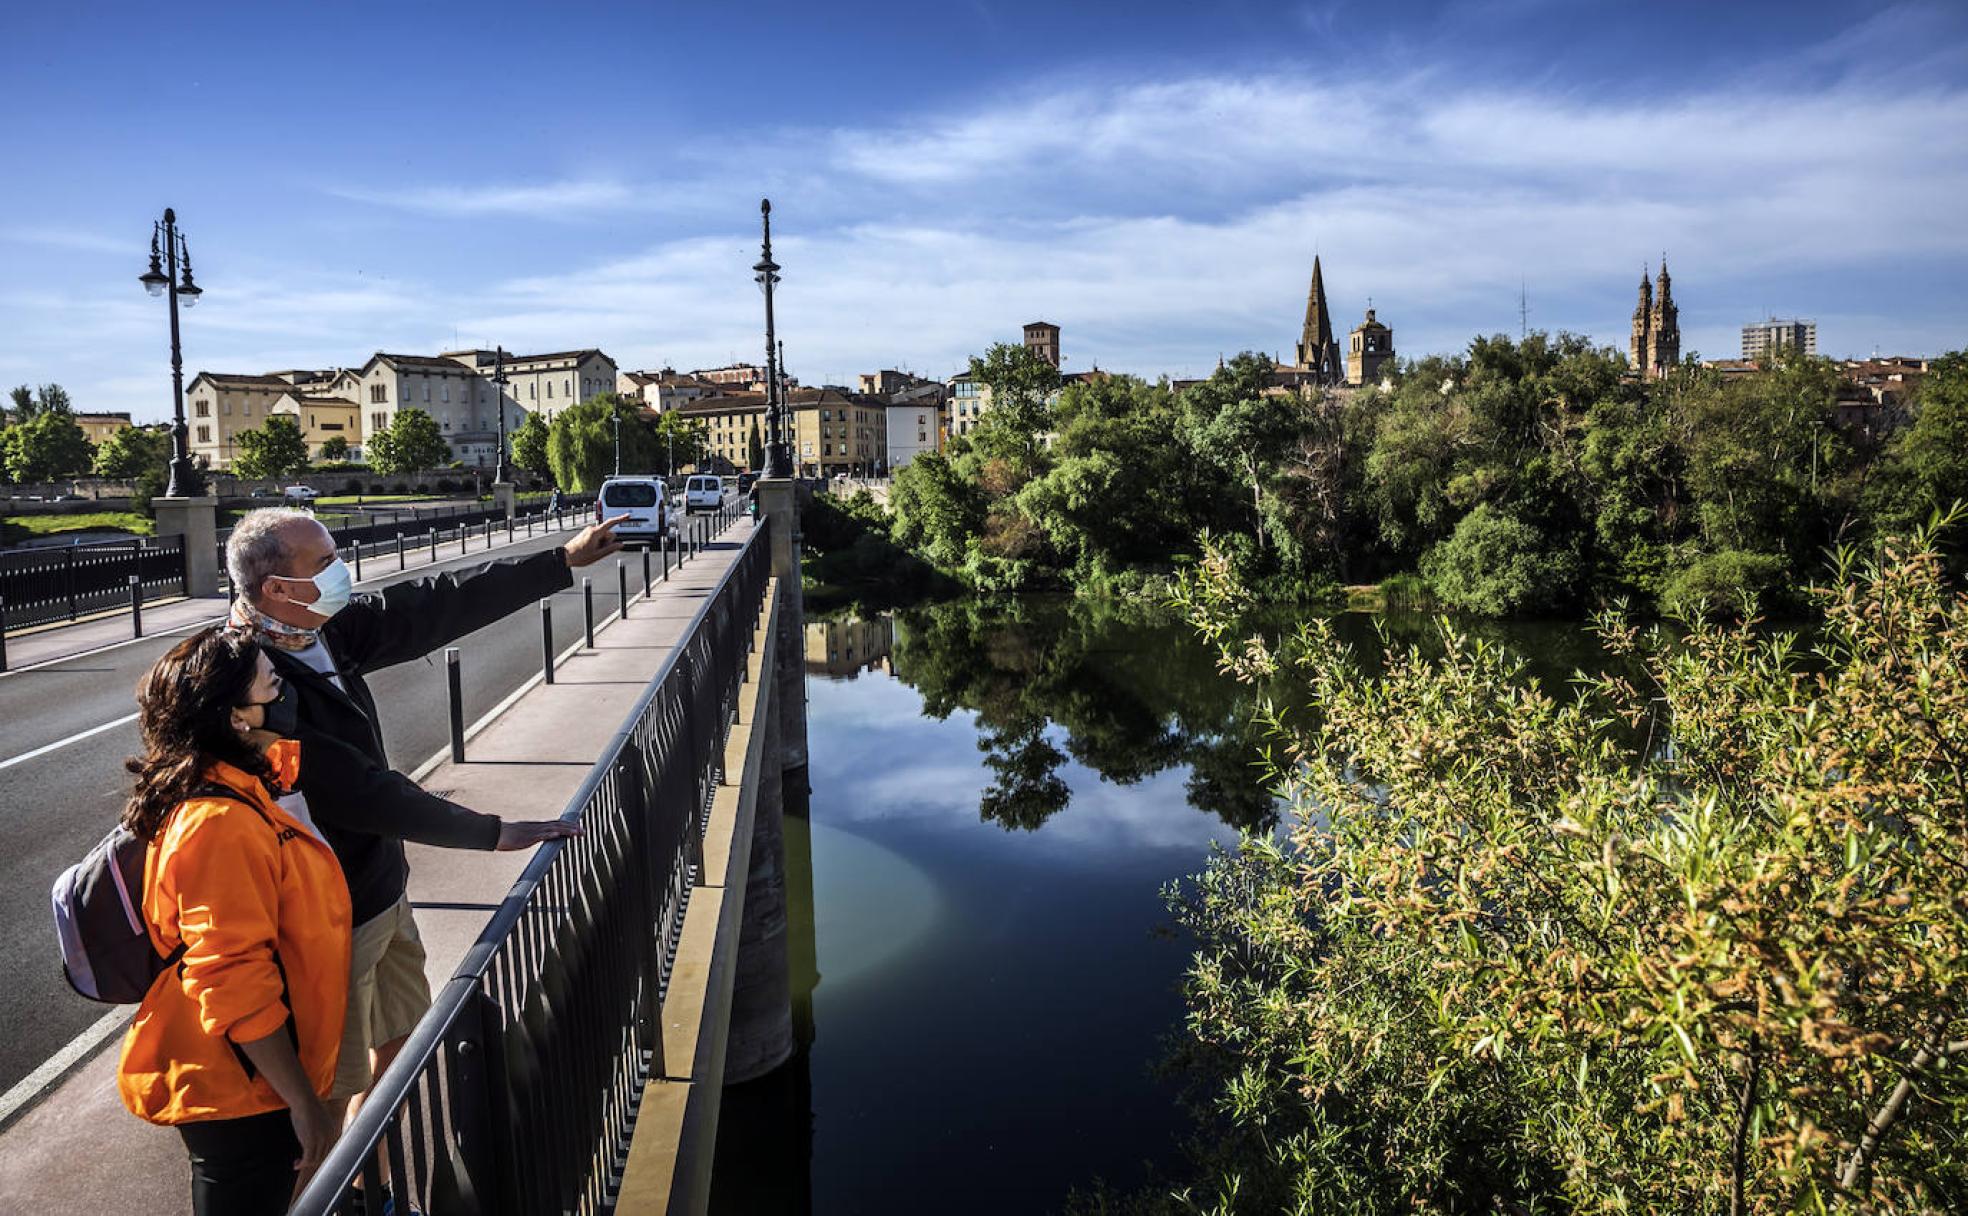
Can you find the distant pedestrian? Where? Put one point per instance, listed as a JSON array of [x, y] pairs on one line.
[[553, 500], [234, 1046]]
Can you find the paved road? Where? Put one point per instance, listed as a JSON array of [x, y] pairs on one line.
[[53, 807]]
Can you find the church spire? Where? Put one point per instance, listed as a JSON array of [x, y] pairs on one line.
[[1316, 347]]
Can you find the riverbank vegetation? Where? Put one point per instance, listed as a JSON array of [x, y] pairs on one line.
[[1518, 478], [1688, 938]]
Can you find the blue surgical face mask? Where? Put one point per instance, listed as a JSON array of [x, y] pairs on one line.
[[334, 584]]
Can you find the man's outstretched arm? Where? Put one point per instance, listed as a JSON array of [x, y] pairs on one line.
[[409, 620]]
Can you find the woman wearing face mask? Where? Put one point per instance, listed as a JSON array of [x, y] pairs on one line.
[[236, 1044]]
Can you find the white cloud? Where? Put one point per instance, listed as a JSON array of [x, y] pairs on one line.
[[549, 200], [71, 239]]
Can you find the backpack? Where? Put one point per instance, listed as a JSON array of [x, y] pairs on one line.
[[106, 951]]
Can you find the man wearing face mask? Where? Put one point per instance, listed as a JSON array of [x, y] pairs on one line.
[[296, 594]]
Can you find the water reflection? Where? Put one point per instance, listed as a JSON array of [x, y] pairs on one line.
[[984, 983]]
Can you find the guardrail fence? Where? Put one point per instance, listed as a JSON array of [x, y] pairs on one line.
[[60, 584], [517, 1093]]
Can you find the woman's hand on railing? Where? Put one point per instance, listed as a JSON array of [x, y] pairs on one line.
[[526, 834]]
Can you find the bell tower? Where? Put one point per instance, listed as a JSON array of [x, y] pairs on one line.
[[1666, 326], [1640, 348]]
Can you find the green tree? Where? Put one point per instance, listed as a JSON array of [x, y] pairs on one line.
[[276, 449], [755, 448], [1497, 565], [412, 443], [581, 442], [1925, 467], [679, 440], [47, 446], [48, 399], [335, 449], [529, 445], [129, 452], [937, 510], [1241, 428], [23, 399], [1694, 939], [1020, 415]]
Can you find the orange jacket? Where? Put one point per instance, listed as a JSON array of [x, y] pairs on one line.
[[263, 914]]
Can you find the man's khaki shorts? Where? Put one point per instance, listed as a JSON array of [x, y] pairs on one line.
[[387, 993]]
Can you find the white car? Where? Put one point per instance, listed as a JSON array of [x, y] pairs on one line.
[[703, 492], [300, 494], [644, 500]]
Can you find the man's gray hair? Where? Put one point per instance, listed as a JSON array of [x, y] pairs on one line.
[[256, 550]]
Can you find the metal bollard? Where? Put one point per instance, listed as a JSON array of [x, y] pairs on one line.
[[358, 561], [645, 572], [666, 557], [622, 587], [546, 641], [433, 529], [3, 633], [509, 529], [488, 534], [464, 537], [456, 685], [136, 606], [587, 607], [401, 559]]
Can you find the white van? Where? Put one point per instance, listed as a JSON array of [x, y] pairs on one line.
[[703, 492], [644, 500]]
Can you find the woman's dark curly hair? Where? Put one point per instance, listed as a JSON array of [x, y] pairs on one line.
[[185, 706]]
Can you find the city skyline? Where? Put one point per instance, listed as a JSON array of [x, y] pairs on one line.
[[1158, 190]]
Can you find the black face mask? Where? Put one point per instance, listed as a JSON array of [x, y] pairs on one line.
[[283, 713]]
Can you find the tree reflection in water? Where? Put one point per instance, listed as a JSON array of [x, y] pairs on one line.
[[1128, 694]]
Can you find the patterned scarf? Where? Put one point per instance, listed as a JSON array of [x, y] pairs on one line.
[[277, 634]]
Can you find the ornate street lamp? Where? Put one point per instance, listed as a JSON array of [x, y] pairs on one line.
[[170, 273], [778, 459], [618, 444], [500, 474]]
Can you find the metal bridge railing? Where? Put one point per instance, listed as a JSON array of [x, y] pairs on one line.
[[61, 583], [517, 1092]]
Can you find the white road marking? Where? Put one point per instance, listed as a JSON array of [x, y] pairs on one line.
[[56, 1066], [43, 750]]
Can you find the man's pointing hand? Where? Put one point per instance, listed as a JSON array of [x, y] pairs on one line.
[[593, 543]]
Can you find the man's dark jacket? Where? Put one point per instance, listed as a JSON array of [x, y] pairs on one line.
[[365, 809]]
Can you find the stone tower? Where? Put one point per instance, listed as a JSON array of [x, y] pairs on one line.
[[1042, 339], [1655, 346], [1371, 345], [1666, 326], [1317, 351]]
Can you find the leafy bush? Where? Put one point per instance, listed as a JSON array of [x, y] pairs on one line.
[[1729, 583], [1694, 940], [446, 486], [1496, 565]]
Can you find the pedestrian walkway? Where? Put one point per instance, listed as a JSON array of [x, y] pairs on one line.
[[77, 1149], [48, 643]]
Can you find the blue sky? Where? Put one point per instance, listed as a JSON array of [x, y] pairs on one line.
[[1154, 177]]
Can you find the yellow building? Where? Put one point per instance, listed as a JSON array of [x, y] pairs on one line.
[[98, 427], [322, 419], [835, 433], [220, 406], [846, 648], [726, 423]]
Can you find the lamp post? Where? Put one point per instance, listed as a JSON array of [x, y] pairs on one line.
[[618, 445], [500, 474], [170, 273], [778, 459]]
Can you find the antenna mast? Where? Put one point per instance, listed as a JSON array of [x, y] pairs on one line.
[[1523, 311]]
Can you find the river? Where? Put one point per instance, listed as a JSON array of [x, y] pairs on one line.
[[986, 975]]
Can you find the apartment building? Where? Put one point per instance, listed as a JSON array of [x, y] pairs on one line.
[[834, 432], [726, 423], [321, 419], [98, 427], [219, 406], [666, 389], [1767, 337], [969, 398]]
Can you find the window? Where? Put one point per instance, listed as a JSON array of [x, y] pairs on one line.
[[533, 390], [550, 390], [378, 421], [567, 386], [447, 394], [427, 392], [225, 406], [202, 408], [204, 434], [378, 393]]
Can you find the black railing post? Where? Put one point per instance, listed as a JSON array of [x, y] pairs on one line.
[[486, 1152], [136, 606], [546, 641], [587, 608], [358, 561], [401, 560], [68, 568], [622, 588], [667, 538], [433, 529], [454, 683], [645, 572], [3, 633], [464, 537]]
